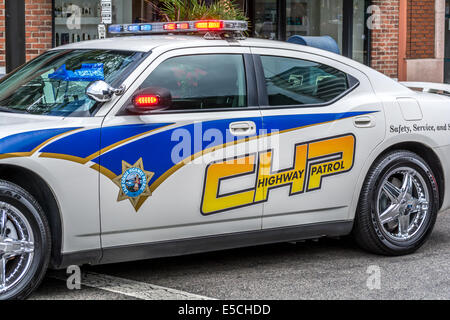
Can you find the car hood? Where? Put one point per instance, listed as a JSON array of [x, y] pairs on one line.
[[23, 134], [12, 123]]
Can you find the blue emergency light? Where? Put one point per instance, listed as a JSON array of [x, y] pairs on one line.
[[145, 27], [117, 28], [134, 28]]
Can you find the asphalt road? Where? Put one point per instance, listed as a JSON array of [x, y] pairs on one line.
[[326, 269]]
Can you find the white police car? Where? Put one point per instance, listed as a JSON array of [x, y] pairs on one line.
[[160, 145]]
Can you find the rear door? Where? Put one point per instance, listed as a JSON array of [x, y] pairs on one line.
[[184, 172], [324, 119]]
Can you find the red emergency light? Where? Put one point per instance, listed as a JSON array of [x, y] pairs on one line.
[[209, 25], [146, 101]]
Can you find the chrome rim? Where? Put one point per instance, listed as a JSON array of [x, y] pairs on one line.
[[402, 204], [16, 246]]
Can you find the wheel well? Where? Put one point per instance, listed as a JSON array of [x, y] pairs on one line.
[[430, 157], [40, 190]]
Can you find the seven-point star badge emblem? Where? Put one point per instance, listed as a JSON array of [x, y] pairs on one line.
[[133, 183]]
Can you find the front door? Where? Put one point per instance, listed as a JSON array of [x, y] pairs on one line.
[[168, 175]]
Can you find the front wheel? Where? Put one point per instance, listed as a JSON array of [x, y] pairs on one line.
[[398, 205], [24, 242]]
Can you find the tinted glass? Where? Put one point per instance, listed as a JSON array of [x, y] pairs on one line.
[[202, 81], [298, 82], [266, 19], [315, 18], [55, 83]]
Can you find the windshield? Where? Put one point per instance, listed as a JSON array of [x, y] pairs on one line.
[[55, 82]]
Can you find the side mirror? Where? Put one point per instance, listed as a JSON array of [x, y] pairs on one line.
[[100, 91], [150, 99]]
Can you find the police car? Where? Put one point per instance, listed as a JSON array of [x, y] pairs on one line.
[[190, 138]]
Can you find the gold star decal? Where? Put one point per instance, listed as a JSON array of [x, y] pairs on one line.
[[133, 183]]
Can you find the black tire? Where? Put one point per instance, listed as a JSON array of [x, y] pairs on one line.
[[368, 230], [21, 200]]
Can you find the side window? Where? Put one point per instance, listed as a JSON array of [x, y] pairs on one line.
[[202, 81], [296, 82]]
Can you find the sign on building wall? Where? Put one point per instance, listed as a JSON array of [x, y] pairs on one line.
[[101, 31], [106, 11]]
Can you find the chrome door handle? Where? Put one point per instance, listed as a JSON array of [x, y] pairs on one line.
[[364, 122], [243, 128]]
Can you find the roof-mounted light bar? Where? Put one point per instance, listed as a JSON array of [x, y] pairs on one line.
[[200, 26]]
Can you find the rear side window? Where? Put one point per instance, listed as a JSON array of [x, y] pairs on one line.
[[300, 82], [202, 81]]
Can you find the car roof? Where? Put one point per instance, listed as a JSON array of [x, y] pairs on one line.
[[147, 43]]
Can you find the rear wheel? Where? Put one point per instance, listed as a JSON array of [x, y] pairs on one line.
[[24, 242], [398, 205]]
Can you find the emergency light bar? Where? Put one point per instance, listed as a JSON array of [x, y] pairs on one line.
[[200, 26]]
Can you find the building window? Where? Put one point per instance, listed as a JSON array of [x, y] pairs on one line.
[[343, 20], [359, 50], [266, 19], [78, 20], [75, 20], [315, 18]]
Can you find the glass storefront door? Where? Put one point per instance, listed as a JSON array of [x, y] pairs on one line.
[[359, 50]]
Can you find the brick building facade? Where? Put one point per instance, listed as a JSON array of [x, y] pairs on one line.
[[421, 29], [409, 44], [407, 41], [38, 27], [385, 38], [425, 40], [2, 36]]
